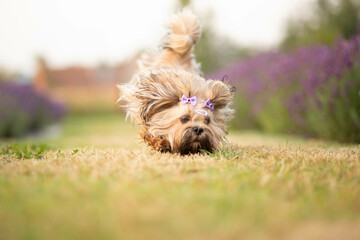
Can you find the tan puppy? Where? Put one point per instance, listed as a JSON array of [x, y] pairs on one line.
[[175, 108]]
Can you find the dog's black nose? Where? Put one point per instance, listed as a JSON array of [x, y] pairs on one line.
[[198, 131]]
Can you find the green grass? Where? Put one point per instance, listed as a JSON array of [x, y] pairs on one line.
[[96, 181]]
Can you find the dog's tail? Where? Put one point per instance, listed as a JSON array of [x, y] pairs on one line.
[[177, 46], [185, 31]]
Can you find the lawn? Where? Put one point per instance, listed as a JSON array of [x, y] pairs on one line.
[[95, 180]]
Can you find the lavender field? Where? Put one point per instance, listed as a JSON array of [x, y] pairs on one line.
[[312, 91], [22, 110]]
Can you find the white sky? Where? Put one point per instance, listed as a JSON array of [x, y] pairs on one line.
[[87, 32]]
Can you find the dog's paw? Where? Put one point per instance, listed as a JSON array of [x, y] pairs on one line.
[[163, 146]]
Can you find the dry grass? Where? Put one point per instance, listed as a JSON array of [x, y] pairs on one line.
[[281, 189]]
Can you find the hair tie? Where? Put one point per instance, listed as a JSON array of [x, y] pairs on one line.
[[202, 112]]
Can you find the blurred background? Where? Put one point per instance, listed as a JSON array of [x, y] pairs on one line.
[[295, 64]]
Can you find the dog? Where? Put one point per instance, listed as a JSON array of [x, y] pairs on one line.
[[176, 109]]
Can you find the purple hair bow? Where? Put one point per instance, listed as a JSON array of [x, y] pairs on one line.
[[208, 104], [191, 100]]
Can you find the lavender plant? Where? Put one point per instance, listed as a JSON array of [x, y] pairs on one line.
[[313, 91], [22, 109]]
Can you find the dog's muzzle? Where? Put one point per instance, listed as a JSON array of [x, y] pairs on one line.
[[195, 140]]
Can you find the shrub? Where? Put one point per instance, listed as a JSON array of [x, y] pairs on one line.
[[313, 91], [22, 109]]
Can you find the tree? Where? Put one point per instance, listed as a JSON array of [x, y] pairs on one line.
[[330, 20]]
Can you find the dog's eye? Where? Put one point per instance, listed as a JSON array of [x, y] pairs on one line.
[[207, 120], [185, 119]]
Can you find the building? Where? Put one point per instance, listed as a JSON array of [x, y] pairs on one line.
[[84, 88]]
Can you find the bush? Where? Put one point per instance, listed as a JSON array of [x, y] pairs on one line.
[[22, 110], [313, 91]]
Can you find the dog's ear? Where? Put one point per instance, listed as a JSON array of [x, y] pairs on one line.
[[219, 93], [155, 93]]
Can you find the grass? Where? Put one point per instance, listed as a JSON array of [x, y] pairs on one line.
[[96, 181]]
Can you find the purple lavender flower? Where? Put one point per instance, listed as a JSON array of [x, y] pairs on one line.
[[298, 79], [23, 109]]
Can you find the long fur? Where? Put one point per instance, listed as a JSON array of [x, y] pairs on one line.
[[152, 99], [177, 47]]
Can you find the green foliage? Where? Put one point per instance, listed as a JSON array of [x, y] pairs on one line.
[[228, 152], [243, 118], [184, 3], [330, 19], [337, 117], [274, 117], [23, 151], [212, 50], [75, 151], [16, 126]]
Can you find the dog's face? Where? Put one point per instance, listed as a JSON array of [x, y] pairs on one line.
[[185, 130], [195, 135], [170, 124]]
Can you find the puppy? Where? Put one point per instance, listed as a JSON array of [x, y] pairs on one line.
[[176, 109]]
